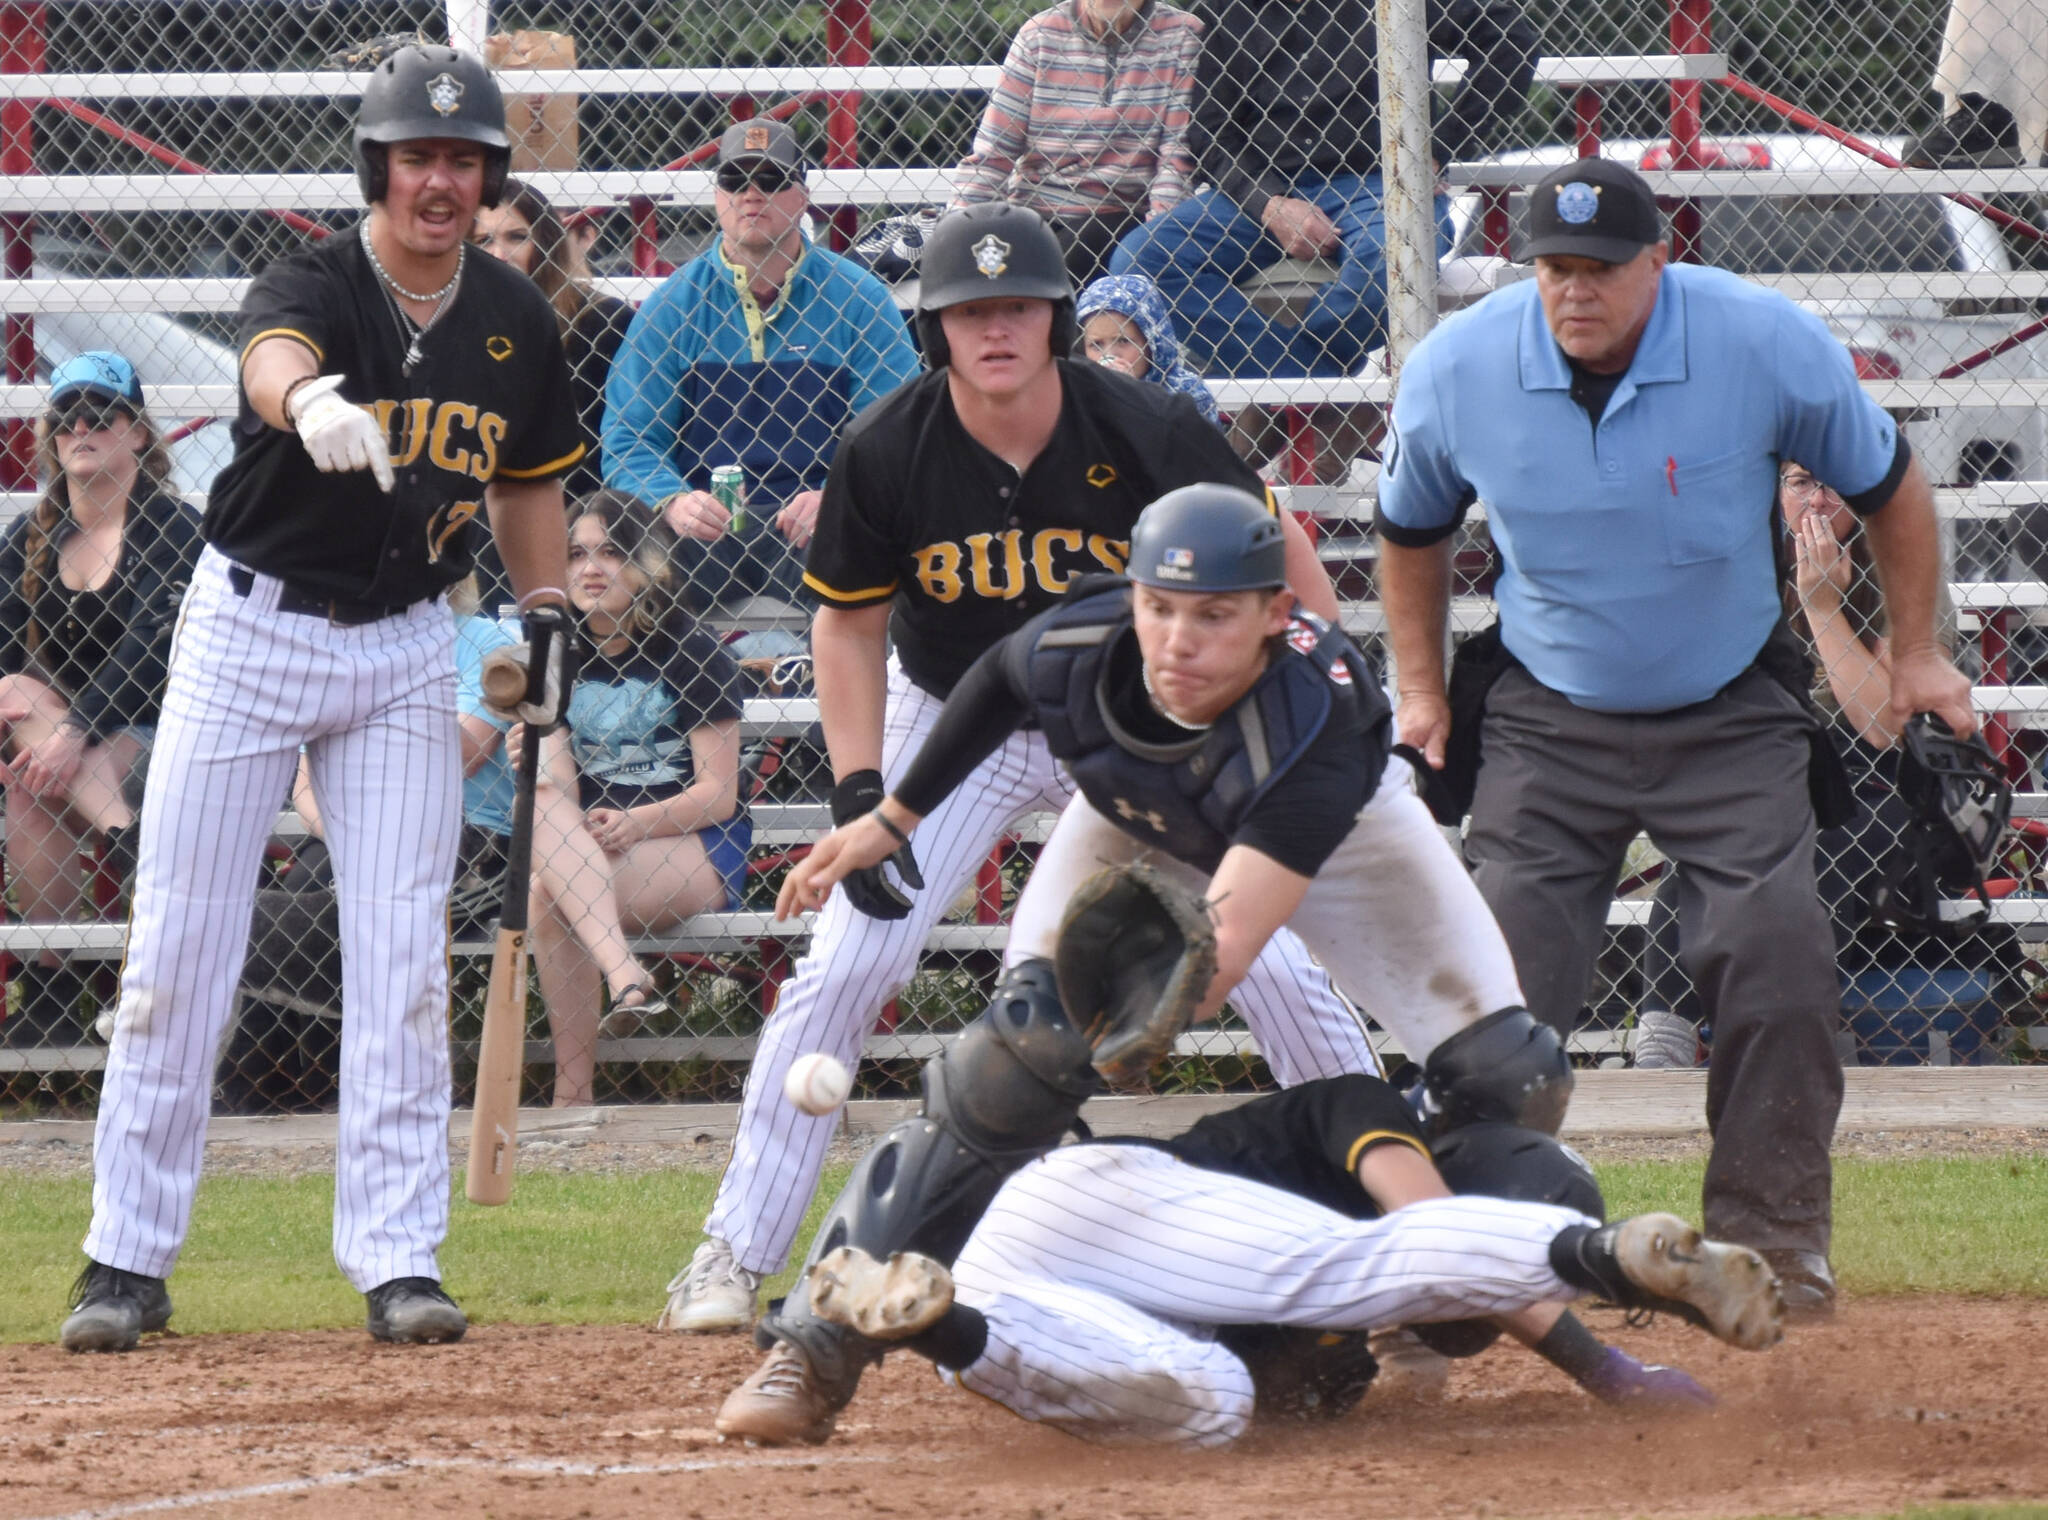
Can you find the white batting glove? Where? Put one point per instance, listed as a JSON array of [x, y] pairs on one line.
[[338, 434]]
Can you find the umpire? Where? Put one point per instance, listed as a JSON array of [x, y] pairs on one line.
[[1623, 419]]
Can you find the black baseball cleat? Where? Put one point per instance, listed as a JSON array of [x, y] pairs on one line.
[[1807, 1282], [111, 1310], [414, 1310]]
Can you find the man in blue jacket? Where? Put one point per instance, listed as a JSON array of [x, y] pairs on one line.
[[756, 353]]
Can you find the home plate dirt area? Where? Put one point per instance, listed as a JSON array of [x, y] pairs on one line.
[[1899, 1402]]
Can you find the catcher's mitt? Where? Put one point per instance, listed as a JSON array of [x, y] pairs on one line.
[[1135, 960]]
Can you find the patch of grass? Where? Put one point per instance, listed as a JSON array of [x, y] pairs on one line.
[[566, 1250], [581, 1249], [1943, 1225], [1959, 1512]]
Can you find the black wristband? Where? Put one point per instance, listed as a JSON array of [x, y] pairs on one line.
[[858, 794], [1574, 1350], [284, 402]]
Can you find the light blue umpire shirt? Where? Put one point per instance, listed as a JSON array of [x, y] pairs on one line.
[[1636, 569]]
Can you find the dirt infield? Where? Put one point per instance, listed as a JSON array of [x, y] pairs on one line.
[[1900, 1402]]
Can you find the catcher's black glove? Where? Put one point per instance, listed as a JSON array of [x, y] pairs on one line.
[[869, 889], [1135, 959]]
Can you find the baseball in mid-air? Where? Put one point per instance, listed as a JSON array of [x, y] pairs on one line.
[[817, 1083]]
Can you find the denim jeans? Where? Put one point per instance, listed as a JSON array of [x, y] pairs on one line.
[[1198, 251]]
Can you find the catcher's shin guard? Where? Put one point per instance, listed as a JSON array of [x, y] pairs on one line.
[[1508, 1066], [999, 1095]]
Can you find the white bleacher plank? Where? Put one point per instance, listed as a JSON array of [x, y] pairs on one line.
[[201, 295], [49, 194], [334, 84], [1231, 394], [1890, 289], [1870, 178]]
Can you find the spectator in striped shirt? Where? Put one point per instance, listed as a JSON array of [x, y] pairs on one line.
[[1088, 125]]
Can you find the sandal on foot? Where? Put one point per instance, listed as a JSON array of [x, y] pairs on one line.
[[628, 1017]]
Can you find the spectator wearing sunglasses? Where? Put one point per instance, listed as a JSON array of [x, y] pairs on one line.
[[90, 583], [756, 353]]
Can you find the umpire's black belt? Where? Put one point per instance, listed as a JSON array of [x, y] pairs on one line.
[[339, 610]]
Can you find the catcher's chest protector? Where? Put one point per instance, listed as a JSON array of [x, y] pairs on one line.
[[1189, 796]]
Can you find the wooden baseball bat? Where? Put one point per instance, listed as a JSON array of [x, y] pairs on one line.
[[505, 677], [501, 1055]]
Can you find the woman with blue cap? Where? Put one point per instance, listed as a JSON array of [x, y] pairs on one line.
[[90, 583]]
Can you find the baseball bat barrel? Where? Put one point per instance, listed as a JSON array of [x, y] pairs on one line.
[[501, 1054], [505, 677]]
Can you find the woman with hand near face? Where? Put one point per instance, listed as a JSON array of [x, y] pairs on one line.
[[651, 752], [90, 582]]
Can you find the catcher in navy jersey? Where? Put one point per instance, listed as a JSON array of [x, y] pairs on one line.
[[393, 387]]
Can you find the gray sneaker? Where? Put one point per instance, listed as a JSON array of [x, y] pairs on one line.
[[413, 1311], [112, 1309], [1665, 1041], [712, 1295]]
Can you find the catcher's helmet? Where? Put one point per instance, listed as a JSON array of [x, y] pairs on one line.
[[1961, 802], [1208, 538], [993, 249], [430, 91]]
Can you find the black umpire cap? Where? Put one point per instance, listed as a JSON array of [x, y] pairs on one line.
[[1593, 208], [1208, 538]]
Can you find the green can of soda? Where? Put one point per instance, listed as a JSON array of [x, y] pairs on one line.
[[729, 486]]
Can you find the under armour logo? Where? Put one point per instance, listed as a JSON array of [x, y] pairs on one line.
[[1146, 816]]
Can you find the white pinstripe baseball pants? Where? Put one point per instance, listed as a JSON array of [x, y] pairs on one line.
[[857, 963], [375, 707], [1102, 1268], [1393, 914]]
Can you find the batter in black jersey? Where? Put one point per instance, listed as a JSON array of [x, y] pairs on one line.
[[1206, 721], [393, 383], [483, 399], [1176, 1290]]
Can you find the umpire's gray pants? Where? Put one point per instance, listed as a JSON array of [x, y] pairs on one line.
[[1720, 787]]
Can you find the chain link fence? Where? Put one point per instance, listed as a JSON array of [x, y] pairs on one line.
[[153, 156]]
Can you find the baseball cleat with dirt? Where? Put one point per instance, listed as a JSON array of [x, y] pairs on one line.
[[1728, 1289], [883, 1300]]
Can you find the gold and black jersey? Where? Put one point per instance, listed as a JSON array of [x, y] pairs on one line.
[[919, 513], [490, 400]]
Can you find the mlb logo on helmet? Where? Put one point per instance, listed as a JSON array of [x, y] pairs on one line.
[[991, 256], [444, 93], [1177, 564]]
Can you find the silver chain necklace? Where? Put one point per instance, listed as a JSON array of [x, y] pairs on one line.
[[411, 333], [461, 253]]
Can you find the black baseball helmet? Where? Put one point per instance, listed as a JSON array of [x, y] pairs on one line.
[[1506, 1161], [993, 249], [1208, 538], [429, 91], [1509, 1161]]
